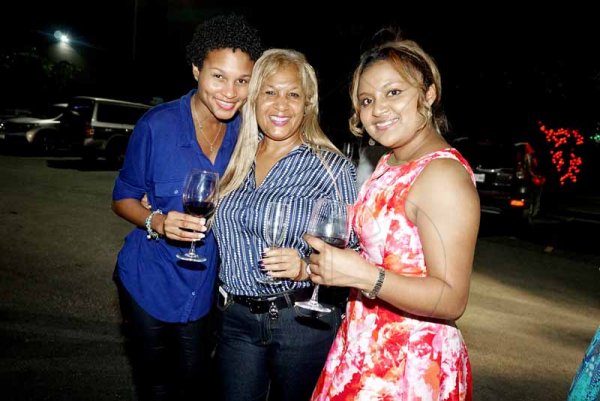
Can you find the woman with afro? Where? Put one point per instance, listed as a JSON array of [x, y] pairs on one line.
[[167, 301]]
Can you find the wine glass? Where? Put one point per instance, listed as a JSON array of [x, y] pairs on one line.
[[277, 216], [348, 149], [329, 222], [200, 194]]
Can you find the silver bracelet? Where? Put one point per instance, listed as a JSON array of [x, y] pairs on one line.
[[148, 223], [375, 291]]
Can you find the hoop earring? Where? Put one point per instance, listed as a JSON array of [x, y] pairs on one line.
[[371, 142]]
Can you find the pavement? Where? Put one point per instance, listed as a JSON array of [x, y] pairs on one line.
[[531, 313]]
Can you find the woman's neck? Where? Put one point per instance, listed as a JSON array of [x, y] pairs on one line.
[[278, 148], [420, 146]]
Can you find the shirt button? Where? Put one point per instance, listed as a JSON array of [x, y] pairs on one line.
[[176, 191], [194, 293]]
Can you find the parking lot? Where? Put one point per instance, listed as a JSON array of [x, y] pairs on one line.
[[532, 310]]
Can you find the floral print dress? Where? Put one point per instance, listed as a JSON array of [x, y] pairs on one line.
[[381, 352]]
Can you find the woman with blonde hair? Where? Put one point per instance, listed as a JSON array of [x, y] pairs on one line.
[[265, 350]]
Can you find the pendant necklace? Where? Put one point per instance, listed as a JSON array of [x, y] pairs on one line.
[[200, 128]]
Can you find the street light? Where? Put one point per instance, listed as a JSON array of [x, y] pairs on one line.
[[62, 49], [62, 37]]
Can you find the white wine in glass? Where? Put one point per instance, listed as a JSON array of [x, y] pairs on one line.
[[277, 217]]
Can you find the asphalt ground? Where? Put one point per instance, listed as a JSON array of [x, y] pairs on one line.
[[533, 309]]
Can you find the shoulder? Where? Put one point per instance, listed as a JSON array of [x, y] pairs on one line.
[[165, 121], [164, 111], [445, 180], [333, 160], [446, 169]]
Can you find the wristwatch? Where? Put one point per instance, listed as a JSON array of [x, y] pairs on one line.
[[375, 291]]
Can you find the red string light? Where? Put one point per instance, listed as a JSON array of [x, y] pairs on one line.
[[564, 141]]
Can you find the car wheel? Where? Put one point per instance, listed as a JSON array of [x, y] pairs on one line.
[[533, 207], [45, 143]]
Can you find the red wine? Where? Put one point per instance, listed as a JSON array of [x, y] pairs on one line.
[[200, 209], [337, 242]]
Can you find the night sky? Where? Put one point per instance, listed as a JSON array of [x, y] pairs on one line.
[[502, 69]]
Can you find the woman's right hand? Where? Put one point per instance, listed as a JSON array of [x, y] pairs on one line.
[[183, 227]]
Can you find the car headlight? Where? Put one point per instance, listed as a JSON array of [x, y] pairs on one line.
[[30, 135]]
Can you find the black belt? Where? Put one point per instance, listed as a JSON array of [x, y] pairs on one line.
[[273, 303]]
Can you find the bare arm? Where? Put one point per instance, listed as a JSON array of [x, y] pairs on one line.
[[444, 205]]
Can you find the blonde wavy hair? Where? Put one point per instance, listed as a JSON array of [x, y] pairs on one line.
[[244, 153], [414, 65]]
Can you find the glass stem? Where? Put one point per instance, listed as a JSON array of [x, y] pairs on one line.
[[192, 248], [314, 298]]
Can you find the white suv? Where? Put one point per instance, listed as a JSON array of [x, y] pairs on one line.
[[101, 127]]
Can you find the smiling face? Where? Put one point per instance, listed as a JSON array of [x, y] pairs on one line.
[[223, 83], [280, 105], [388, 105]]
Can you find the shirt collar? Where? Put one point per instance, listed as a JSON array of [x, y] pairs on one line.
[[188, 136]]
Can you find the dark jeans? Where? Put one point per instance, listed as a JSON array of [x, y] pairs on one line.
[[170, 361], [281, 358]]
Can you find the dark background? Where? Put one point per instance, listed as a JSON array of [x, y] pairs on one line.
[[503, 69]]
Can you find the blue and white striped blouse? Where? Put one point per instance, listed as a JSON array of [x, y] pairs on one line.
[[299, 179]]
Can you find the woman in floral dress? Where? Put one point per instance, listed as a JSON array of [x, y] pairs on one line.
[[417, 219]]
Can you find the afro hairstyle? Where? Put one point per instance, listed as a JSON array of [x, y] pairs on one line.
[[230, 31]]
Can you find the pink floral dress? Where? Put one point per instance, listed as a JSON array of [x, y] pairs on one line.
[[380, 352]]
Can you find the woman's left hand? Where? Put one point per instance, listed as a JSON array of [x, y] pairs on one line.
[[283, 263], [333, 266]]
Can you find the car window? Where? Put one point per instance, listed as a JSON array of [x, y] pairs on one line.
[[81, 108], [120, 114]]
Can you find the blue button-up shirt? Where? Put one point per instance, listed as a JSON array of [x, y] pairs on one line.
[[299, 179], [162, 150]]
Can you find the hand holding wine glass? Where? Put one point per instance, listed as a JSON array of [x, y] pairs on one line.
[[277, 215], [200, 195], [329, 222]]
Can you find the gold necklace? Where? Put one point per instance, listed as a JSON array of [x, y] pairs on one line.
[[200, 128]]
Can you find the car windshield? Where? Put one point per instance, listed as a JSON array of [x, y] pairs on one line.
[[46, 112]]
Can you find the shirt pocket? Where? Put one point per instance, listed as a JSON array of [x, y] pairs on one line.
[[168, 195]]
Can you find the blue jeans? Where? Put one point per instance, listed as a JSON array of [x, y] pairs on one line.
[[259, 357]]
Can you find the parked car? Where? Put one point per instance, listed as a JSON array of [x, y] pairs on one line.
[[508, 176], [100, 127], [36, 131]]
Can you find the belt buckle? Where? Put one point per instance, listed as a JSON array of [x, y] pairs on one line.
[[273, 311]]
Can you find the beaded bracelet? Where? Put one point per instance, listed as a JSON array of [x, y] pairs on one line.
[[148, 223]]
